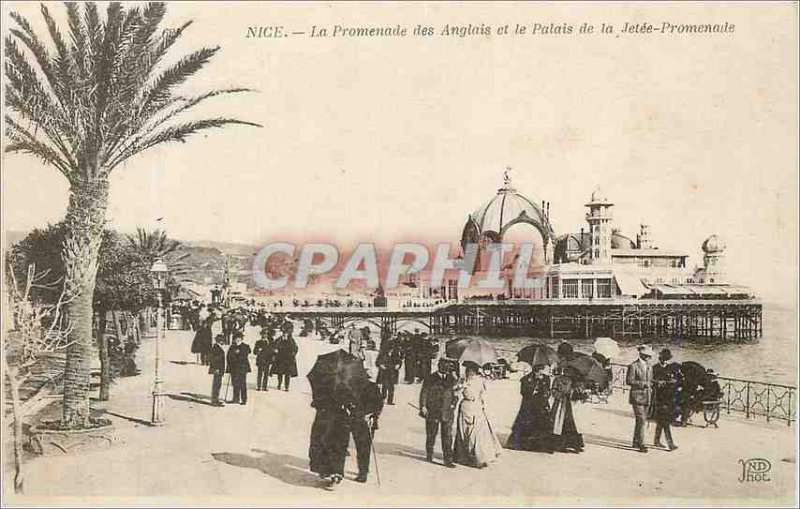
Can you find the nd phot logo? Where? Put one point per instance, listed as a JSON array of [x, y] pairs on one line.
[[755, 470]]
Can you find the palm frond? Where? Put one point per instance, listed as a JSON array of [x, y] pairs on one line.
[[37, 48], [178, 133], [100, 94], [183, 104], [25, 142], [159, 92], [28, 98]]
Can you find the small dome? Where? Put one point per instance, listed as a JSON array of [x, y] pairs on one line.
[[620, 241], [713, 244], [598, 196]]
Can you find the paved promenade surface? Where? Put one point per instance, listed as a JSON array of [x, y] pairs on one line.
[[258, 453]]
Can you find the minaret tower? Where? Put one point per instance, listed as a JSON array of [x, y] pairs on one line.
[[599, 218], [713, 260]]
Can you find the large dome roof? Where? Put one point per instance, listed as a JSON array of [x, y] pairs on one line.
[[509, 207]]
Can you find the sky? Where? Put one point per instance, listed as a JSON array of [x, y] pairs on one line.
[[383, 138]]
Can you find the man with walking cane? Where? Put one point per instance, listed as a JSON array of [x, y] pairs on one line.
[[363, 421], [216, 367], [437, 403], [238, 367]]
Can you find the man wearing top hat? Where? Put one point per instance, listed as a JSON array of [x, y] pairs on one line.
[[216, 367], [437, 403], [639, 379], [665, 391]]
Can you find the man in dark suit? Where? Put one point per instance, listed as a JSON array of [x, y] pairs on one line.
[[363, 421], [640, 378], [665, 383], [437, 403], [389, 361], [410, 358], [427, 351], [265, 351], [238, 367], [216, 367]]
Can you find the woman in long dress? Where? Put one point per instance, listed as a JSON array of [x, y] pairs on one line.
[[565, 432], [475, 442], [285, 363], [533, 427], [330, 436], [201, 344]]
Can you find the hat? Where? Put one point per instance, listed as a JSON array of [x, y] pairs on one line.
[[665, 353], [220, 338], [565, 349], [645, 349]]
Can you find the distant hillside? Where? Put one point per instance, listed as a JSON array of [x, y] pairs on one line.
[[229, 248], [205, 263]]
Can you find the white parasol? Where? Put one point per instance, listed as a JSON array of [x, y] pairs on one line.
[[606, 347]]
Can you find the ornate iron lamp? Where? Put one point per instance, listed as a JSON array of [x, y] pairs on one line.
[[159, 272]]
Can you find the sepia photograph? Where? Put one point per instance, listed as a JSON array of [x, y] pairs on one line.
[[418, 254]]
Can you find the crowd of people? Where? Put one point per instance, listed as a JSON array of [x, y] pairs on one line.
[[452, 398], [275, 351]]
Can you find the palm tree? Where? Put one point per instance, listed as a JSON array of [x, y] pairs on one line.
[[97, 96], [153, 244]]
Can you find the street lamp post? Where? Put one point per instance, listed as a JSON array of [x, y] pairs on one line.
[[159, 273]]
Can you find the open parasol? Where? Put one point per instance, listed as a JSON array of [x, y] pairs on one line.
[[337, 378], [537, 354], [606, 347], [479, 351], [454, 347], [587, 369], [693, 373]]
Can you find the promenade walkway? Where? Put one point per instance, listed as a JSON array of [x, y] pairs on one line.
[[258, 453]]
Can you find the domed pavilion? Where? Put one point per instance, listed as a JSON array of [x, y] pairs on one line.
[[508, 209]]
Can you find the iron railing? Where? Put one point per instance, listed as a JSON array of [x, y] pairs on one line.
[[748, 397]]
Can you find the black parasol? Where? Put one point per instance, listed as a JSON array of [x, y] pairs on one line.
[[693, 373], [587, 369], [537, 354], [337, 378]]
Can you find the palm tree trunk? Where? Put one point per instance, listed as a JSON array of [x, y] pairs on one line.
[[85, 219], [102, 346]]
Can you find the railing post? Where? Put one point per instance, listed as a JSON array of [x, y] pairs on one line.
[[789, 409], [768, 389], [747, 401], [728, 402]]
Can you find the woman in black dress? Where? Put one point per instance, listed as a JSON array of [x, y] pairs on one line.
[[202, 341], [330, 436], [565, 389], [533, 427], [285, 360]]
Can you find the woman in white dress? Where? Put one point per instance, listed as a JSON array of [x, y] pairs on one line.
[[475, 442]]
